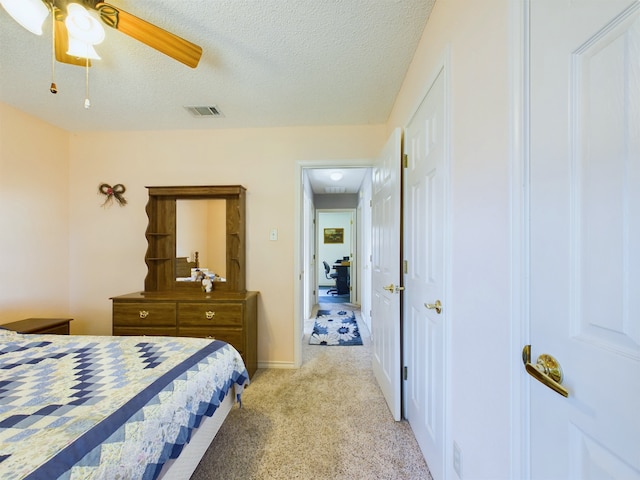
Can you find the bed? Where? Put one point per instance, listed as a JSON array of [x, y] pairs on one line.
[[112, 407]]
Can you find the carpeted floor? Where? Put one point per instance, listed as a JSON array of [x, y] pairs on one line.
[[326, 420]]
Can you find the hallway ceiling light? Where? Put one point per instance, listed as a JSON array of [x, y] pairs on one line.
[[336, 176]]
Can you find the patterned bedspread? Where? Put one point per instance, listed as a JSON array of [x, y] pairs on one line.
[[106, 407]]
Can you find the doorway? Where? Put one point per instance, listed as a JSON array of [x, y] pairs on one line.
[[314, 192], [336, 268]]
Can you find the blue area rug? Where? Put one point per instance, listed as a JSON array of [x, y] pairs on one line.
[[337, 327]]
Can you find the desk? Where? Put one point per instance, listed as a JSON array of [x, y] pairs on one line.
[[343, 280]]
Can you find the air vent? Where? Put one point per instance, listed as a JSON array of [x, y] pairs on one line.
[[335, 189], [212, 111]]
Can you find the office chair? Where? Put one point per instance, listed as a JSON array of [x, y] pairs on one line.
[[330, 276]]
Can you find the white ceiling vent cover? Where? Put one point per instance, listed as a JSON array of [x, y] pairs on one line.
[[335, 189], [212, 111]]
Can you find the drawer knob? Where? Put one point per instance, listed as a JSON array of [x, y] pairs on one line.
[[144, 313], [210, 314]]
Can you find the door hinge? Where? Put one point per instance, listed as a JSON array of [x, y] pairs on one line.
[[405, 160], [405, 373], [405, 267]]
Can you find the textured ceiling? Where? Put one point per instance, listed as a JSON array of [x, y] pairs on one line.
[[266, 63]]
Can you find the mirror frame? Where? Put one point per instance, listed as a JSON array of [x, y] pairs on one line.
[[161, 236]]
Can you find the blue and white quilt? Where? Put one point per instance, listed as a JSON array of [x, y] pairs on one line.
[[106, 407]]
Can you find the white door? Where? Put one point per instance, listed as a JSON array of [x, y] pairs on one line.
[[385, 304], [424, 322], [585, 237]]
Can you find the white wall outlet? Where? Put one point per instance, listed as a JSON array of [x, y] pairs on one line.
[[457, 460], [273, 234]]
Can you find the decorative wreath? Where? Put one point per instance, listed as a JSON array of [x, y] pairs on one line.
[[113, 192]]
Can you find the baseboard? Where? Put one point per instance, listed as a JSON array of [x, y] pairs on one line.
[[281, 365]]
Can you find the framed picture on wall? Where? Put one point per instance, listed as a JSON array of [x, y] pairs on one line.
[[334, 235]]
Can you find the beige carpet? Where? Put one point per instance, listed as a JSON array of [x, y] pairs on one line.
[[326, 420]]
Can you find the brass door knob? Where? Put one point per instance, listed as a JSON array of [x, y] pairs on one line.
[[392, 288], [546, 370], [434, 306]]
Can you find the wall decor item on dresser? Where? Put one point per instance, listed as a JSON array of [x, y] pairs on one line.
[[196, 270], [116, 192]]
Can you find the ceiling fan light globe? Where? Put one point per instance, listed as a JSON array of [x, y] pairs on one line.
[[31, 14], [80, 49], [82, 26]]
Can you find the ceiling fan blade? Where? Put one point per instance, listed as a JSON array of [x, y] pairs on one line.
[[62, 42], [172, 45]]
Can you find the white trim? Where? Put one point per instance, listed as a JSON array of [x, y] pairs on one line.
[[298, 306], [448, 254], [279, 365], [353, 295], [519, 137], [444, 64]]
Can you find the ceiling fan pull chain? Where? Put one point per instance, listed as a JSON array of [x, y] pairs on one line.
[[87, 102], [53, 88]]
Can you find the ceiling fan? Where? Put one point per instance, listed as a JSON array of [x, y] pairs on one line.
[[155, 37]]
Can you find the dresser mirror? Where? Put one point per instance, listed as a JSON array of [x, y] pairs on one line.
[[201, 240], [195, 231]]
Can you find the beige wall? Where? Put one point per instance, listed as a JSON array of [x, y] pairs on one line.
[[63, 253], [108, 245], [34, 217], [473, 37]]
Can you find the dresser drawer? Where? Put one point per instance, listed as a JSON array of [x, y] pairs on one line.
[[59, 330], [148, 331], [229, 335], [144, 314], [205, 314]]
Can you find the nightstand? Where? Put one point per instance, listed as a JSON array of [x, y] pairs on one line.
[[57, 326]]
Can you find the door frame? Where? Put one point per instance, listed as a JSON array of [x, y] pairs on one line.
[[299, 237], [353, 237], [519, 141]]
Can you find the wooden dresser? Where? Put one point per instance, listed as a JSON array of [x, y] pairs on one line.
[[174, 306], [227, 316]]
